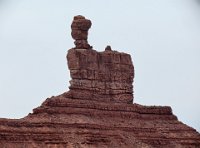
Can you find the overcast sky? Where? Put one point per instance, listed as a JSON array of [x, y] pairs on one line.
[[163, 38]]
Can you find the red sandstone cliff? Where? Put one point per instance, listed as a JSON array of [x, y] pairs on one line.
[[97, 111]]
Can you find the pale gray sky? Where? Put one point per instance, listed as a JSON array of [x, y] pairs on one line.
[[163, 38]]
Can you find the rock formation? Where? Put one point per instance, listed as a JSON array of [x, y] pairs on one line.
[[80, 27], [102, 76], [97, 111]]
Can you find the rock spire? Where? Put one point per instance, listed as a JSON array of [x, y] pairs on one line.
[[102, 76], [80, 27]]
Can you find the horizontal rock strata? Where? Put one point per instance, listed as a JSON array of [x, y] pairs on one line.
[[62, 122], [97, 111], [102, 76]]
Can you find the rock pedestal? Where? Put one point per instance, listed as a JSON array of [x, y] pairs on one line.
[[102, 76]]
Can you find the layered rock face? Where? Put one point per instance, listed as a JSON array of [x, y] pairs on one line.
[[97, 111], [102, 76], [62, 122]]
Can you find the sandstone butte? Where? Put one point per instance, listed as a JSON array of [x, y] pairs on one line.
[[98, 109]]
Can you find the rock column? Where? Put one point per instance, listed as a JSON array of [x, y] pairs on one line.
[[101, 76], [80, 27]]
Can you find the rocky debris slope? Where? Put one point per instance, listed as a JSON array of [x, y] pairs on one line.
[[97, 111]]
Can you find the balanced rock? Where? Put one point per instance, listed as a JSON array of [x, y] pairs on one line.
[[80, 27]]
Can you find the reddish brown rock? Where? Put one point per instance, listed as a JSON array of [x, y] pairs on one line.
[[97, 111], [80, 27], [66, 122], [102, 76]]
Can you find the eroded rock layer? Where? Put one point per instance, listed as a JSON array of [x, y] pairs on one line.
[[102, 76], [66, 122]]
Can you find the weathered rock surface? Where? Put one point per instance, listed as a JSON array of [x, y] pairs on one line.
[[102, 76], [80, 27], [97, 110], [66, 122]]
